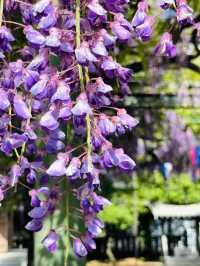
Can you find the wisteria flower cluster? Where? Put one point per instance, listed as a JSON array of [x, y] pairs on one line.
[[180, 137], [45, 104]]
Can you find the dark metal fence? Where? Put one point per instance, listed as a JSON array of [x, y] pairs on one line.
[[121, 246]]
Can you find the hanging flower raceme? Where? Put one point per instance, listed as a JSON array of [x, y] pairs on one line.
[[55, 124]]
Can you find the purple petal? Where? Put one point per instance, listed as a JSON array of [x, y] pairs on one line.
[[57, 168], [81, 108], [106, 126], [73, 170], [35, 225], [94, 230], [88, 242], [50, 241], [41, 5], [48, 21], [48, 121], [121, 33], [79, 248], [99, 49], [53, 40], [101, 201], [31, 77], [4, 103], [38, 212], [62, 93], [31, 177], [14, 174], [126, 163], [21, 109], [96, 8], [6, 34], [39, 87], [34, 36], [110, 159]]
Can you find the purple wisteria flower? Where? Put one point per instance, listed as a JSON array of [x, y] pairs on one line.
[[62, 93], [79, 248], [14, 174], [21, 108], [105, 125], [99, 48], [34, 36], [73, 169], [108, 39], [116, 157], [31, 177], [166, 46], [184, 13], [88, 242], [57, 168], [109, 66], [121, 32], [142, 23], [54, 38], [4, 103], [116, 5], [38, 212], [141, 14], [6, 38], [144, 31], [34, 225], [84, 55], [165, 4], [50, 241], [96, 12], [41, 6], [82, 107], [50, 20], [49, 121]]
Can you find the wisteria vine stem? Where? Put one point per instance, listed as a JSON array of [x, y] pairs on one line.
[[78, 40], [67, 248], [81, 77], [12, 22]]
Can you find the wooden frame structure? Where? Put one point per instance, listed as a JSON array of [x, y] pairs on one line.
[[166, 213]]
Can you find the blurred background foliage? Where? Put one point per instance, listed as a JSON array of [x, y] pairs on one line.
[[179, 189], [153, 76]]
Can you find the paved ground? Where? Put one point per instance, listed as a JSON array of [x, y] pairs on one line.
[[126, 262]]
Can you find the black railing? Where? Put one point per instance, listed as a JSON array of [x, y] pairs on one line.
[[124, 245]]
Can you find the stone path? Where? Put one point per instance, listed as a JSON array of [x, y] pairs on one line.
[[126, 262]]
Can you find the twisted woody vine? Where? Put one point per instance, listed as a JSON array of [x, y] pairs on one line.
[[45, 106]]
